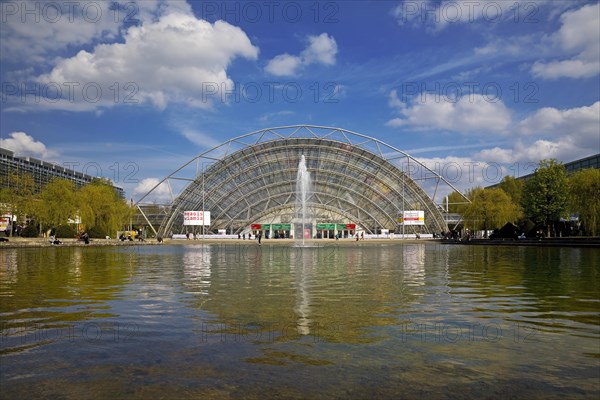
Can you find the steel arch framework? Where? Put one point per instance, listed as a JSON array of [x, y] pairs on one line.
[[251, 178]]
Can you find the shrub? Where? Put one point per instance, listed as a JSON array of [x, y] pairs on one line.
[[96, 233], [30, 230], [65, 231]]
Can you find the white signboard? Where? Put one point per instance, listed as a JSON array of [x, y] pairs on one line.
[[196, 218], [414, 217]]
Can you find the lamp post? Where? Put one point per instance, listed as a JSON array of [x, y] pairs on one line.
[[203, 205], [403, 194], [130, 213]]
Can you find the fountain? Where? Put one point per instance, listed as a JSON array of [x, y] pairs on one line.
[[303, 189], [303, 192]]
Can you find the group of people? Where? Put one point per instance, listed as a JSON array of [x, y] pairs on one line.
[[258, 236], [52, 237], [84, 237], [123, 238], [362, 236], [139, 234], [452, 234], [16, 230]]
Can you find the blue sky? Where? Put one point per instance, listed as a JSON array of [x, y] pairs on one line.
[[132, 90]]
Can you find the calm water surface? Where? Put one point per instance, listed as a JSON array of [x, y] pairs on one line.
[[241, 321]]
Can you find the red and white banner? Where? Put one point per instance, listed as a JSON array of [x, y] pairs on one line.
[[414, 217], [196, 218]]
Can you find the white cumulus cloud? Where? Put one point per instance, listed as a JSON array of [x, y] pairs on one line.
[[33, 30], [23, 144], [563, 134], [468, 114], [177, 58], [160, 193], [321, 49], [578, 37], [284, 65], [549, 132], [580, 123]]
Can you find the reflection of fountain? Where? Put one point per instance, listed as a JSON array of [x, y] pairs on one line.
[[197, 269], [303, 189], [8, 275], [302, 307], [413, 257]]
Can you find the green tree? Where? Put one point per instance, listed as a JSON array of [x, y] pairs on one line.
[[545, 194], [101, 209], [513, 187], [584, 196], [19, 197], [5, 201], [457, 203], [58, 203], [490, 208], [5, 205]]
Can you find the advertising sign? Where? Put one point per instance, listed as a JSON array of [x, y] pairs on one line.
[[279, 227], [4, 222], [414, 217], [196, 218], [328, 227]]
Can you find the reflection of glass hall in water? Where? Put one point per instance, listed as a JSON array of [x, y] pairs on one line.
[[248, 183]]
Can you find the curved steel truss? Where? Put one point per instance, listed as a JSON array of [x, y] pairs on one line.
[[251, 178]]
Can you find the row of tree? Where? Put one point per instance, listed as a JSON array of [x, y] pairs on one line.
[[97, 206], [544, 199]]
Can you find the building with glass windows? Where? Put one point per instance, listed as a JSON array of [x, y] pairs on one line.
[[248, 184], [41, 171]]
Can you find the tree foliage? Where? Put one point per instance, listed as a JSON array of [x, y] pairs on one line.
[[513, 187], [5, 201], [101, 209], [22, 190], [457, 203], [545, 194], [97, 204], [58, 203], [490, 208], [584, 190], [18, 197]]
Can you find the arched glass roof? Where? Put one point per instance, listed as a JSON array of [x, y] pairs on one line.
[[252, 178]]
